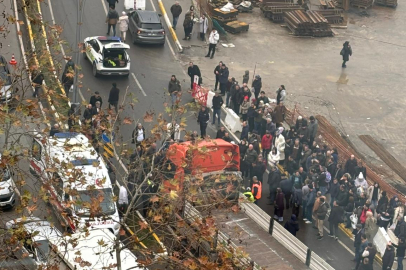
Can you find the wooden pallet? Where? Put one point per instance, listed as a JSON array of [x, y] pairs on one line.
[[223, 14], [360, 6], [236, 27]]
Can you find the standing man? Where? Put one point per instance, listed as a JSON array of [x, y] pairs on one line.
[[217, 74], [313, 128], [111, 20], [188, 24], [257, 85], [114, 97], [96, 97], [192, 71], [388, 257], [203, 119], [336, 217], [112, 3], [204, 24], [174, 88], [213, 39], [176, 10], [400, 252], [346, 52], [223, 79], [256, 189], [122, 201], [217, 103], [321, 215], [357, 241]]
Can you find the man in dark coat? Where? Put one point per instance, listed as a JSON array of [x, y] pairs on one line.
[[274, 179], [96, 97], [388, 257], [217, 74], [245, 130], [257, 85], [203, 119], [350, 166], [258, 168], [192, 71], [217, 102], [400, 252], [287, 186], [346, 52], [220, 133], [176, 10], [292, 225], [114, 97], [336, 217], [223, 79], [174, 88]]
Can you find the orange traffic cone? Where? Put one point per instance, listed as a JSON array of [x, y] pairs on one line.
[[13, 61]]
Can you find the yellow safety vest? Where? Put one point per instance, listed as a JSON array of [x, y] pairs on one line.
[[251, 196]]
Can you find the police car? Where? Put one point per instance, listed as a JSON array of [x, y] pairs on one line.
[[7, 187], [108, 55], [76, 180]]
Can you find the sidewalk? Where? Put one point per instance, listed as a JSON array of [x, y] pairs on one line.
[[195, 37], [9, 44]]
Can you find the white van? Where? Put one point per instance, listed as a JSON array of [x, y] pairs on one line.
[[93, 250], [77, 181]]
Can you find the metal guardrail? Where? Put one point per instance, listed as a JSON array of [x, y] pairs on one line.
[[285, 238]]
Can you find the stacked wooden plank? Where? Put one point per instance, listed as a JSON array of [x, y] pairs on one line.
[[387, 3], [224, 17], [310, 23], [333, 16], [274, 9], [362, 3]]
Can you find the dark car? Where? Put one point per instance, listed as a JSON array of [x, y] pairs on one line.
[[6, 91], [146, 27]]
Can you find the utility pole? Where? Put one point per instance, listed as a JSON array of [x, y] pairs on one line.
[[80, 9]]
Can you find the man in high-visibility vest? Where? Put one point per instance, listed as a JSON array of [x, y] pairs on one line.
[[256, 189], [248, 194]]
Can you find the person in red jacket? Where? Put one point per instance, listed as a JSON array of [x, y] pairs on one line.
[[266, 144], [363, 216]]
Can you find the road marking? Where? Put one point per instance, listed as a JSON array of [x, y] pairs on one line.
[[166, 37], [61, 46], [104, 6], [139, 85], [341, 243]]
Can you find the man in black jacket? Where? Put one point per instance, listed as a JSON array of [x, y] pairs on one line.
[[193, 71], [357, 241], [336, 217], [96, 97], [203, 119], [274, 180], [114, 97], [174, 88], [223, 79], [88, 113], [220, 133], [217, 103], [217, 74], [176, 10]]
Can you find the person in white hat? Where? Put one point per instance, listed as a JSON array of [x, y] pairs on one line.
[[123, 21]]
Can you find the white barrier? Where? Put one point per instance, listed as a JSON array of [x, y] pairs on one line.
[[382, 238], [210, 96], [232, 121]]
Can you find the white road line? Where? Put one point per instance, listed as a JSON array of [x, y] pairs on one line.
[[61, 46], [139, 85], [104, 6], [166, 36], [341, 243]]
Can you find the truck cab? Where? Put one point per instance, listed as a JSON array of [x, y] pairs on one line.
[[76, 180]]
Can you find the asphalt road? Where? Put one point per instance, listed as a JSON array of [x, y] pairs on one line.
[[151, 68]]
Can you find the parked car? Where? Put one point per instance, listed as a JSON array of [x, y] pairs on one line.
[[146, 27], [6, 91], [108, 55], [28, 238], [7, 187]]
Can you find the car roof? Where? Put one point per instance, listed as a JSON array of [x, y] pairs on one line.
[[148, 16], [42, 228]]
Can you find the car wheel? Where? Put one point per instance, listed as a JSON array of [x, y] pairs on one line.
[[95, 74], [133, 35], [126, 75]]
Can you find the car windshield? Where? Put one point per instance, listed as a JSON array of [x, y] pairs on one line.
[[86, 197], [151, 26], [42, 247], [85, 162], [4, 175]]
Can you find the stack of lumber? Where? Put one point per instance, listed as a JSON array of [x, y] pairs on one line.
[[388, 3], [333, 16], [362, 3], [325, 4], [274, 9], [310, 23]]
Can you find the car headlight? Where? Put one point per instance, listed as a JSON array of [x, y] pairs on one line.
[[116, 226]]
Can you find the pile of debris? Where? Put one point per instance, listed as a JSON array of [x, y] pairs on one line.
[[310, 23], [362, 3], [333, 16], [274, 9], [387, 3]]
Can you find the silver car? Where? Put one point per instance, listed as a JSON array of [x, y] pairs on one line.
[[6, 91], [7, 188], [28, 240]]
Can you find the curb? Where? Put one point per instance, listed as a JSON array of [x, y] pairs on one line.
[[168, 22]]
